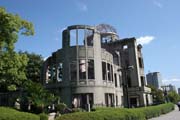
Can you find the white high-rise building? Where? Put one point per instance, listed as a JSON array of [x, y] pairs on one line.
[[154, 79]]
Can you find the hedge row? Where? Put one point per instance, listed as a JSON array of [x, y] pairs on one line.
[[12, 114], [120, 114]]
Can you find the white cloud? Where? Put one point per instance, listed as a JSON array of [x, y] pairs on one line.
[[145, 40], [173, 81], [158, 4], [82, 6]]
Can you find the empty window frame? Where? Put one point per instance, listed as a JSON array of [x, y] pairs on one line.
[[115, 78], [77, 37], [90, 69], [129, 81], [122, 100], [104, 75], [109, 99], [60, 72], [53, 73], [73, 34], [48, 74], [142, 81], [116, 100], [90, 36], [82, 69], [80, 36], [109, 71], [112, 73], [81, 100], [125, 47], [106, 39], [140, 62], [120, 81]]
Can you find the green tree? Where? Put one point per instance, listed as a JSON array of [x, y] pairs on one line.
[[12, 70], [158, 95], [34, 66], [12, 64], [173, 97], [38, 96]]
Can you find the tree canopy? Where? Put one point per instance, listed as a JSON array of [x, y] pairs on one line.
[[173, 97], [12, 64], [158, 95], [37, 96], [34, 66]]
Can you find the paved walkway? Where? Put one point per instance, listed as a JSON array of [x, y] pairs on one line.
[[174, 115]]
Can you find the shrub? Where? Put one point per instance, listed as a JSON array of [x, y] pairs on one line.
[[12, 114], [43, 116], [154, 111], [61, 107], [120, 113]]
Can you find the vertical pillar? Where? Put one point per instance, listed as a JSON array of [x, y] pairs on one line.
[[88, 104], [86, 54], [77, 58]]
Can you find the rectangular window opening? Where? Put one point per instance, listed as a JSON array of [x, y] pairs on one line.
[[90, 69], [129, 81], [53, 73], [104, 76], [140, 62], [73, 38], [120, 81], [82, 35], [142, 81], [106, 39], [109, 72], [115, 78], [90, 37], [48, 74], [82, 69], [112, 73], [60, 72], [109, 99], [125, 47]]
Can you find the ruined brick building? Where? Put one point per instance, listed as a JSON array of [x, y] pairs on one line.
[[97, 68]]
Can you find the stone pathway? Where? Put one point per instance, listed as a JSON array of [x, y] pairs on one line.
[[174, 115], [51, 116]]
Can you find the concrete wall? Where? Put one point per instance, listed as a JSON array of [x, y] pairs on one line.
[[98, 53]]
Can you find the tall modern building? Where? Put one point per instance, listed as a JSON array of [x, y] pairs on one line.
[[97, 68], [154, 79], [172, 88], [169, 88]]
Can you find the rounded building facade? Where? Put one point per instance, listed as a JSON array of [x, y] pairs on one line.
[[86, 71]]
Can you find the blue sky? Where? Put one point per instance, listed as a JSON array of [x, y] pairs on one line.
[[155, 23]]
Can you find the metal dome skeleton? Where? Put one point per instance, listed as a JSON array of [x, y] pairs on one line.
[[107, 31], [105, 28]]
